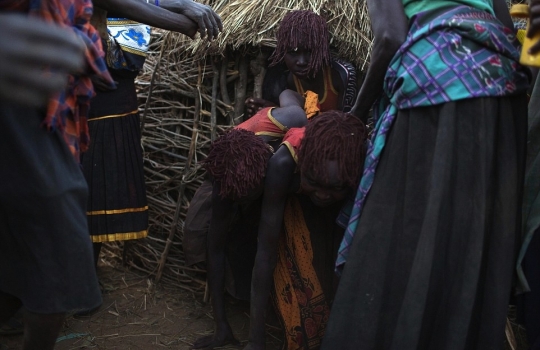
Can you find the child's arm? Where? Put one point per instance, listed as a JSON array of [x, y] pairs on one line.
[[291, 111], [222, 215], [291, 98], [279, 176]]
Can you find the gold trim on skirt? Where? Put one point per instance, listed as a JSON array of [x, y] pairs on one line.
[[117, 211], [112, 237], [114, 115]]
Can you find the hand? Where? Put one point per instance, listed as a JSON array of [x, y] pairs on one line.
[[253, 105], [534, 24], [36, 59], [208, 21]]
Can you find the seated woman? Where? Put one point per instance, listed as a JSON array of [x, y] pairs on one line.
[[303, 48], [331, 163]]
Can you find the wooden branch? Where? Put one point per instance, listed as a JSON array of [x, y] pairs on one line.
[[241, 87], [182, 188], [154, 74], [213, 108], [258, 69], [223, 80]]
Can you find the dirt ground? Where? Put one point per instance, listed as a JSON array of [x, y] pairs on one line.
[[136, 314]]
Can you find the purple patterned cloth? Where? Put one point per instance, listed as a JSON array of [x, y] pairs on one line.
[[447, 56]]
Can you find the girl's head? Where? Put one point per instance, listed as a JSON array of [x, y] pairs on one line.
[[331, 156], [302, 43], [237, 160]]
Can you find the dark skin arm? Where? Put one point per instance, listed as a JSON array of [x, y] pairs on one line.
[[152, 15], [286, 98], [222, 215], [534, 24], [390, 27], [279, 177], [502, 13], [291, 113], [291, 98], [182, 16], [291, 116], [207, 20]]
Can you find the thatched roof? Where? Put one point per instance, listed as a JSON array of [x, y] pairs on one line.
[[252, 23]]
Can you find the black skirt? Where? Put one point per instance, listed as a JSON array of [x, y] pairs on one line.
[[113, 166], [432, 261], [45, 253]]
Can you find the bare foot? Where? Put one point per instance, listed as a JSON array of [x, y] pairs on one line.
[[220, 337]]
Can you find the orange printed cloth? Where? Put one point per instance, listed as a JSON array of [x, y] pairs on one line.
[[311, 106], [298, 295]]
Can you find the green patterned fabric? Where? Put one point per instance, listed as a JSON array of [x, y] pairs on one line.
[[413, 7]]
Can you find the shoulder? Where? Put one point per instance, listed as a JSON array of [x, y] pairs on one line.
[[280, 172], [282, 159]]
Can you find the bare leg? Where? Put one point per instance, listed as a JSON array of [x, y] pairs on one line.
[[41, 331], [217, 238]]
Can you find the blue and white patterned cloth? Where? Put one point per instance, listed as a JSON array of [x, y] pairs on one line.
[[128, 43], [448, 56]]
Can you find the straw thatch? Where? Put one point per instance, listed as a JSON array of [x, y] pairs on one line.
[[189, 91], [254, 23]]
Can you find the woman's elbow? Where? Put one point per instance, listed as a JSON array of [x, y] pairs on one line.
[[388, 43]]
